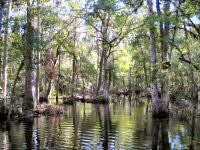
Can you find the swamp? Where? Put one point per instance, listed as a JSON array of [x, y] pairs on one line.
[[100, 74]]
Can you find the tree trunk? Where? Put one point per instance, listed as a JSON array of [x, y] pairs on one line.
[[109, 77], [5, 60], [154, 88], [100, 72], [98, 57], [38, 58], [29, 101], [164, 35], [57, 86], [129, 84], [165, 78], [145, 72], [105, 67], [73, 77]]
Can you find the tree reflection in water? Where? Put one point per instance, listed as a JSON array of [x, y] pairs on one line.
[[28, 132], [89, 126], [160, 137]]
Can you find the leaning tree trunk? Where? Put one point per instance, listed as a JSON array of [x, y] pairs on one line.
[[5, 60], [29, 101], [154, 88]]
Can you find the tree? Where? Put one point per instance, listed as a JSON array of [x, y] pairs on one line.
[[154, 87], [29, 101], [5, 60], [37, 86], [105, 18]]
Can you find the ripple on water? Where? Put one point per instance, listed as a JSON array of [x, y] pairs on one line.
[[96, 127]]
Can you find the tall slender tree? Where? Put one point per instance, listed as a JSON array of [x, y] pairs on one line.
[[5, 60], [38, 55]]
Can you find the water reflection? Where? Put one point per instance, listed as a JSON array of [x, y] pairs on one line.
[[160, 126], [122, 125]]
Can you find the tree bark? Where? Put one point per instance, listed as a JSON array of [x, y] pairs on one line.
[[38, 58], [29, 101], [98, 62], [74, 67], [129, 84], [100, 73], [5, 60], [58, 80], [154, 87], [165, 79], [73, 77], [164, 36], [106, 92], [109, 77]]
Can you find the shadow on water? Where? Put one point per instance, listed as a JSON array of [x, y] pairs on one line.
[[122, 125]]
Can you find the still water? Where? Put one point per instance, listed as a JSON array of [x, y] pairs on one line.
[[92, 126]]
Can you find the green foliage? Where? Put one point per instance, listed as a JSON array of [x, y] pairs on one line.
[[78, 30], [87, 69]]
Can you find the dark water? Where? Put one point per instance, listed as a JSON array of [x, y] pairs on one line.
[[88, 126]]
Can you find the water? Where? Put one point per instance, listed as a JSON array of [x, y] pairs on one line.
[[89, 126]]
